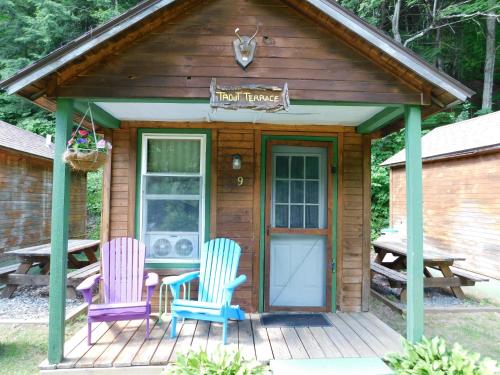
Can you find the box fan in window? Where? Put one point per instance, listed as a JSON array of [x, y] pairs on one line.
[[177, 246]]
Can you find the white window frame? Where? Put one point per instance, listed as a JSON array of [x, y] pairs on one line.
[[144, 154]]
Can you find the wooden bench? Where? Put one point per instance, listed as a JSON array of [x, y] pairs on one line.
[[396, 279], [467, 278], [77, 276], [6, 270]]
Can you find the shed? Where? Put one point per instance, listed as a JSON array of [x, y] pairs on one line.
[[26, 191], [201, 149], [461, 179]]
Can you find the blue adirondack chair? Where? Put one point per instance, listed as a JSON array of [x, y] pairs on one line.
[[123, 279], [217, 282]]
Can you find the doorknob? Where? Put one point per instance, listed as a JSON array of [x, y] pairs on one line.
[[268, 229]]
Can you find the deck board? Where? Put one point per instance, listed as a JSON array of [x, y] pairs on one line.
[[126, 356], [294, 344], [122, 344]]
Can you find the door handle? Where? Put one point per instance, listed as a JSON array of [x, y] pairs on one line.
[[268, 230]]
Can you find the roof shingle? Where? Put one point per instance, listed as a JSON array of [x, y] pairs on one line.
[[466, 136], [12, 137]]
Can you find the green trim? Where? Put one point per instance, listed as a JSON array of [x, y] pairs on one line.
[[208, 179], [172, 265], [100, 115], [265, 139], [59, 232], [414, 212], [207, 101], [381, 119]]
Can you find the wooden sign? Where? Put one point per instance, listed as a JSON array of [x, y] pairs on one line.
[[256, 97]]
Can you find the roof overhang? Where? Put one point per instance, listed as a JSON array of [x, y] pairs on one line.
[[90, 41]]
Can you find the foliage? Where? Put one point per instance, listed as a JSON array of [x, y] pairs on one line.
[[220, 363], [435, 357], [94, 203], [382, 149]]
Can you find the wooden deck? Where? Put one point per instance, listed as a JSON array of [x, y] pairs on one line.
[[121, 344]]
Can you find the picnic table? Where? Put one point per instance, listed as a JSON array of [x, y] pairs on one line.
[[452, 277], [39, 255]]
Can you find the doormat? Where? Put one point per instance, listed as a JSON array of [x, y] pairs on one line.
[[294, 320]]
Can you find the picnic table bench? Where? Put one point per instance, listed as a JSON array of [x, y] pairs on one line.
[[18, 274], [453, 278]]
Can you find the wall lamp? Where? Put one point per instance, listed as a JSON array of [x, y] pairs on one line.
[[236, 161]]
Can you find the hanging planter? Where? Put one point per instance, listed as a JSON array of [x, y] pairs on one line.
[[86, 151]]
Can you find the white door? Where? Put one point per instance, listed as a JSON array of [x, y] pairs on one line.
[[298, 222]]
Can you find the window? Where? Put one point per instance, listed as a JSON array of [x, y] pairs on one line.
[[299, 188], [172, 196]]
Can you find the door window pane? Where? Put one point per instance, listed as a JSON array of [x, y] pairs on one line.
[[296, 216], [312, 167], [172, 215], [282, 167], [312, 192], [282, 191], [312, 217], [297, 191], [173, 185], [173, 156], [297, 167], [281, 216]]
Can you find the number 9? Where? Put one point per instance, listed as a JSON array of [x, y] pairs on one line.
[[240, 181]]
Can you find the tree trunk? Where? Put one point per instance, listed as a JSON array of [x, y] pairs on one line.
[[489, 65], [395, 21]]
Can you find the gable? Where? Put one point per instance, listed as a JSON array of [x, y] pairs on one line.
[[179, 58]]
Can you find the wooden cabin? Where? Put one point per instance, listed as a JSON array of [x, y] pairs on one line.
[[26, 191], [263, 139], [461, 177]]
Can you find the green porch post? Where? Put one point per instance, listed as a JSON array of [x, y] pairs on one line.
[[415, 263], [59, 232]]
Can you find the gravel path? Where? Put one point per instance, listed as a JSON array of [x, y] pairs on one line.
[[30, 303]]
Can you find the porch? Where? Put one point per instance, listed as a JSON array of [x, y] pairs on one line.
[[121, 344]]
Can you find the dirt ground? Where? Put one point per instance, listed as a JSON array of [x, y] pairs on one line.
[[475, 331]]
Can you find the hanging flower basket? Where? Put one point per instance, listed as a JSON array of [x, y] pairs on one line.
[[86, 151], [85, 161]]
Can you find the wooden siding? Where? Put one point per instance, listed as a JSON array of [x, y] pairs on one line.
[[461, 209], [235, 210], [25, 201], [180, 57]]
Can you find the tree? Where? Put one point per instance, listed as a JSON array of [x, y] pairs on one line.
[[489, 65]]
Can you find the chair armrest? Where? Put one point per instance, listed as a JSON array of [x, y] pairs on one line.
[[182, 279], [236, 283], [86, 286], [152, 279], [88, 283], [185, 278]]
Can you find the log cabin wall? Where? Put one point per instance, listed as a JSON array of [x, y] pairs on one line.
[[461, 208], [25, 201], [235, 210]]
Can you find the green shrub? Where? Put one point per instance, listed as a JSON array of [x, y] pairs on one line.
[[435, 357], [220, 363]]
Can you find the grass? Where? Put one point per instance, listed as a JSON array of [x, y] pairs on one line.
[[24, 346], [475, 331]]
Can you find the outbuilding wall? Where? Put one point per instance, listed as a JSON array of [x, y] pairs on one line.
[[26, 198], [461, 208]]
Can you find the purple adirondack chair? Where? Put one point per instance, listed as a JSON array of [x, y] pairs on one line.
[[123, 278]]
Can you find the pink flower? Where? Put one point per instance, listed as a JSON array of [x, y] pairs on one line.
[[101, 144], [71, 141], [83, 133], [109, 146]]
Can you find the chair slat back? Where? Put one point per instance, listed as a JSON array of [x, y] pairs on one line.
[[123, 270], [218, 266]]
